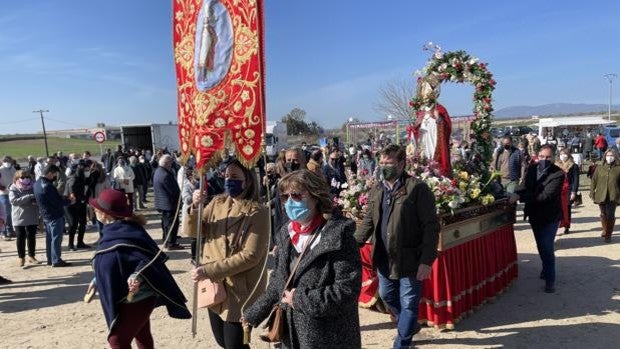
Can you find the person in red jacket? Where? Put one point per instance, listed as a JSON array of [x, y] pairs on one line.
[[600, 144]]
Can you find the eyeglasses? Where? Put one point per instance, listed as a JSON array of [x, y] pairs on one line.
[[294, 196]]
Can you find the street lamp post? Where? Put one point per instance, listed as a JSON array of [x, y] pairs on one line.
[[610, 77], [348, 131], [41, 111]]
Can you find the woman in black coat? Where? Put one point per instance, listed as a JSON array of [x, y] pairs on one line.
[[321, 301]]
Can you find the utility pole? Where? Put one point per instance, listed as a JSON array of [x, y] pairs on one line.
[[610, 77], [41, 111]]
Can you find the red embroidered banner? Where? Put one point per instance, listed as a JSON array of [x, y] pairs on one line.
[[219, 59]]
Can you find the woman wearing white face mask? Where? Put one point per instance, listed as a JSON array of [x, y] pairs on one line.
[[605, 191], [570, 187]]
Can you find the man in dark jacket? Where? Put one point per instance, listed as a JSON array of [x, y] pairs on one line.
[[167, 193], [402, 220], [108, 161], [543, 206], [334, 174], [51, 208], [75, 192], [508, 160], [139, 182]]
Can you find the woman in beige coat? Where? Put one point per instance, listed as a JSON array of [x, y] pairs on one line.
[[234, 216]]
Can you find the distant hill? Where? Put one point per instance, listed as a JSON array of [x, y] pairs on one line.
[[552, 109]]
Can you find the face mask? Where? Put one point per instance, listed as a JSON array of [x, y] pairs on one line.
[[141, 161], [86, 174], [506, 146], [610, 159], [543, 164], [563, 157], [297, 210], [292, 166], [233, 187], [24, 183], [365, 157], [389, 172], [121, 163], [55, 178]]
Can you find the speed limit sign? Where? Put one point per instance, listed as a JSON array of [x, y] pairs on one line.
[[99, 137]]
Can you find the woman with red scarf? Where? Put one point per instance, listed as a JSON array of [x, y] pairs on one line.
[[319, 251]]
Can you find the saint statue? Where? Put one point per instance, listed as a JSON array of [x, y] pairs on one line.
[[433, 128], [208, 40]]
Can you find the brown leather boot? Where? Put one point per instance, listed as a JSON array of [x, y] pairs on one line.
[[610, 229], [604, 224]]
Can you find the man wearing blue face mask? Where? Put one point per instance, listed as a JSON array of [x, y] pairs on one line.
[[403, 221], [543, 206]]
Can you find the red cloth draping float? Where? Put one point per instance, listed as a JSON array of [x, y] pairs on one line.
[[370, 282], [219, 59], [463, 277], [565, 199]]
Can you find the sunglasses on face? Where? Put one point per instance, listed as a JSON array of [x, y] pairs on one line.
[[294, 196]]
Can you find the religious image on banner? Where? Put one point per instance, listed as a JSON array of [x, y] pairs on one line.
[[214, 44], [219, 60]]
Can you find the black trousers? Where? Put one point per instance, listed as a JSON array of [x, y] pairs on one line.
[[26, 233], [228, 335], [77, 212], [166, 222]]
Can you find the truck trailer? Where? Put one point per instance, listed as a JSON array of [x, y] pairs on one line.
[[151, 136]]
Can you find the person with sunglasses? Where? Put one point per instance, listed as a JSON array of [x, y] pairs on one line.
[[318, 249], [25, 216], [235, 229]]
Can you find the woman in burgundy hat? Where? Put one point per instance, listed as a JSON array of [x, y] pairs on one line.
[[130, 276]]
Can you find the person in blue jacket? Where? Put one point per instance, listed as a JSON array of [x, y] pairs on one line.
[[130, 276], [51, 206]]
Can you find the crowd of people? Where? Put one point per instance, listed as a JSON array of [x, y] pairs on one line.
[[316, 271]]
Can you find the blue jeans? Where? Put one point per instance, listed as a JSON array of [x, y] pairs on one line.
[[8, 222], [53, 239], [403, 298], [545, 235]]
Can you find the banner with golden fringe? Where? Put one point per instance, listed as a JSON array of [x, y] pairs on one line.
[[219, 59]]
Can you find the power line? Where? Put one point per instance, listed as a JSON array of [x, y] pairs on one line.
[[17, 122], [68, 123]]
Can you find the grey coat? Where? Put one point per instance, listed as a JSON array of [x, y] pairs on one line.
[[327, 283], [25, 210]]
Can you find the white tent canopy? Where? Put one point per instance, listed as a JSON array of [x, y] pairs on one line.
[[597, 120]]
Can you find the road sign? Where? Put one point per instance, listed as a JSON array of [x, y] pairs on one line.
[[99, 137]]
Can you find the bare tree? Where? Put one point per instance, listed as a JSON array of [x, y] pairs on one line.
[[394, 97]]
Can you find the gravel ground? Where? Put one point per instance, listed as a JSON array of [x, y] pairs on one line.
[[43, 308]]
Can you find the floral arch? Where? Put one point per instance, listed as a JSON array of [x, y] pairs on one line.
[[460, 67]]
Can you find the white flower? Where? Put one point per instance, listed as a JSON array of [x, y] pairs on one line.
[[453, 204], [344, 185]]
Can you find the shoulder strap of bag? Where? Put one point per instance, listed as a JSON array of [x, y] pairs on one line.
[[236, 243], [303, 251]]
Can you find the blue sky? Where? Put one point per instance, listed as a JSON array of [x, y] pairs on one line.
[[111, 61]]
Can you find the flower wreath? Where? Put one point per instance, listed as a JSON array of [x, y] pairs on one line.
[[459, 66]]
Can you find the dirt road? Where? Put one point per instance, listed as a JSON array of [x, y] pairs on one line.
[[43, 308]]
